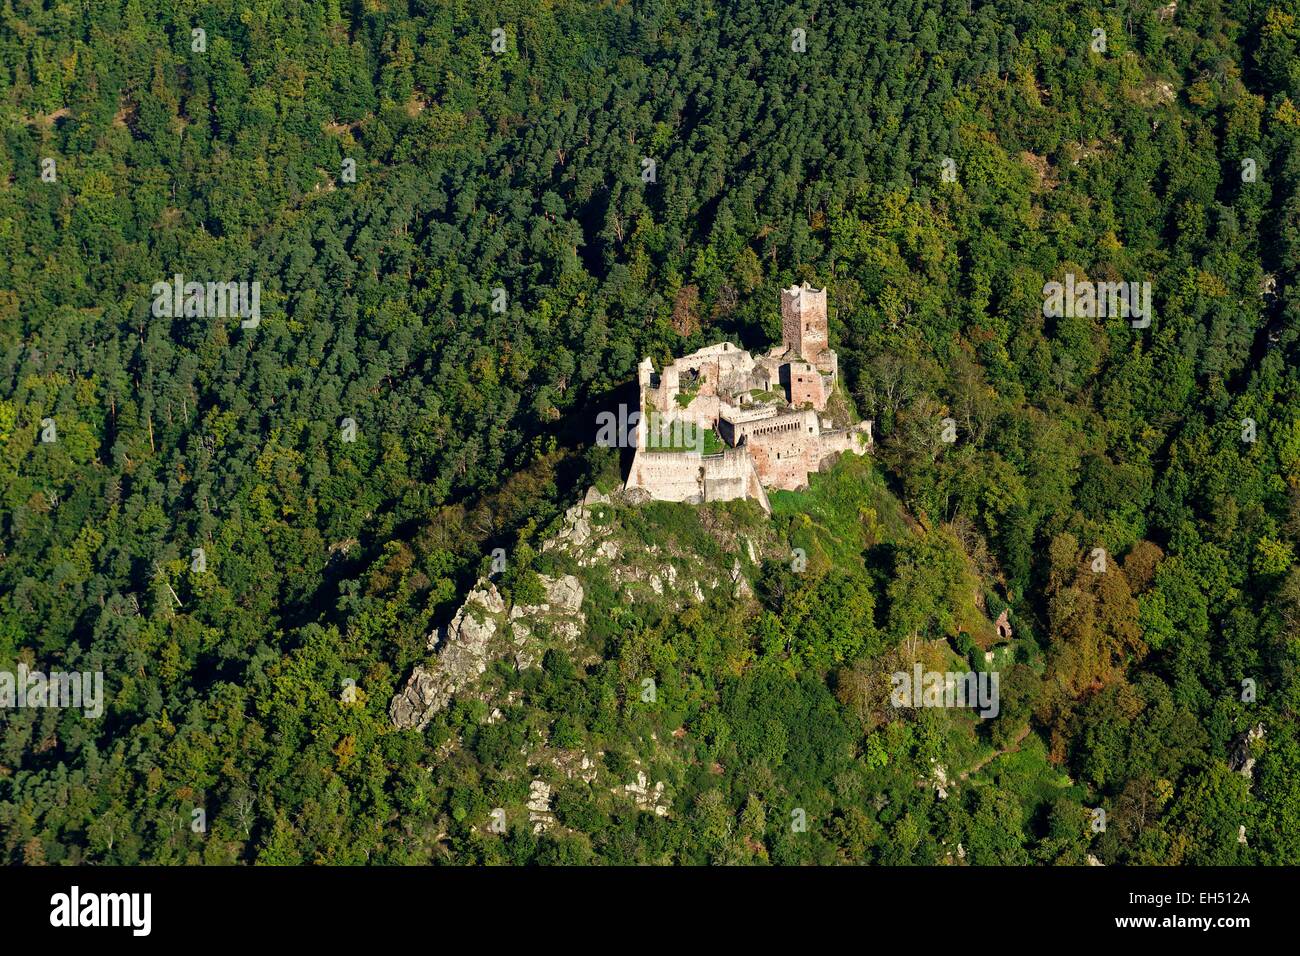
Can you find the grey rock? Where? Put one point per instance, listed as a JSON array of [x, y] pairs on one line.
[[1240, 759], [462, 658], [417, 702], [564, 594]]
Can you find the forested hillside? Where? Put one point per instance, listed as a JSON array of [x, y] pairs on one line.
[[933, 164]]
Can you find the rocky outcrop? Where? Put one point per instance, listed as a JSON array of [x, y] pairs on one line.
[[486, 628], [561, 612], [739, 584], [539, 806], [591, 538], [651, 799], [575, 532], [939, 779], [589, 543], [463, 658], [637, 496], [415, 704], [1240, 759], [594, 497], [563, 594], [575, 765], [481, 632]]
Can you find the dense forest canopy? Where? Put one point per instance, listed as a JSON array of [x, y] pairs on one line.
[[382, 169]]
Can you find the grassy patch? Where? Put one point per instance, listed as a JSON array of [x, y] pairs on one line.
[[846, 510], [1027, 773], [684, 439]]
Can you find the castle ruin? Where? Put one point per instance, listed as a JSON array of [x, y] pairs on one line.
[[769, 414]]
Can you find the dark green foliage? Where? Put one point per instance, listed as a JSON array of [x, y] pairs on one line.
[[331, 561]]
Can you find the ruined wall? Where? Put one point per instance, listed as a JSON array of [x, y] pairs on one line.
[[803, 384], [828, 363], [784, 460], [693, 479], [784, 448], [730, 417], [770, 447], [857, 439], [666, 475], [663, 397], [732, 475], [724, 357], [714, 371], [766, 375], [720, 368], [702, 412], [788, 423]]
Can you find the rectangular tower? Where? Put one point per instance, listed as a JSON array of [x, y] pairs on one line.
[[803, 321]]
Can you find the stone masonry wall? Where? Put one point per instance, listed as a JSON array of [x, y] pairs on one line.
[[804, 385], [666, 475], [803, 321]]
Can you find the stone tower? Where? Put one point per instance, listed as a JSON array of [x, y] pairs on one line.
[[803, 321]]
